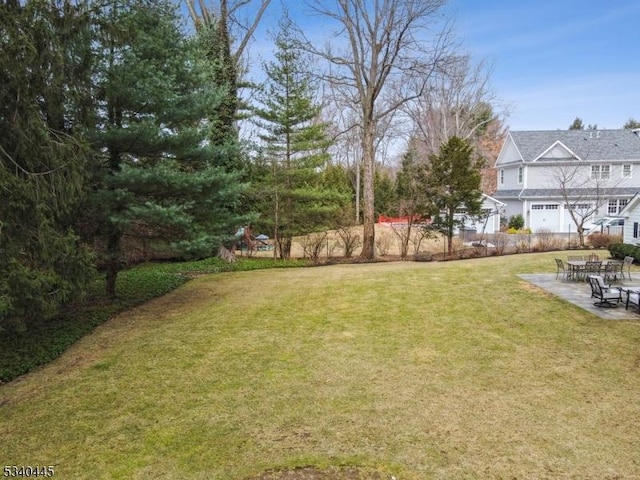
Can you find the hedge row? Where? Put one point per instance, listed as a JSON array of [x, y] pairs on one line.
[[621, 250]]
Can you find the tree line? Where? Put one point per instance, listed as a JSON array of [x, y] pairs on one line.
[[119, 128]]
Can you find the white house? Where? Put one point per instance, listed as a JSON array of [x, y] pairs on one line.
[[542, 174], [631, 215]]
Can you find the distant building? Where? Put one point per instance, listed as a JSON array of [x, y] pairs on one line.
[[606, 174]]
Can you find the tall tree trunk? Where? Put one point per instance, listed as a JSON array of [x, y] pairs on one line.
[[368, 160], [227, 79], [113, 263], [450, 227]]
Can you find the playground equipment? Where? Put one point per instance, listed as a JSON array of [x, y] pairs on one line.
[[247, 242]]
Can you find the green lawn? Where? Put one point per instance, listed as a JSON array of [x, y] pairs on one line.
[[416, 370]]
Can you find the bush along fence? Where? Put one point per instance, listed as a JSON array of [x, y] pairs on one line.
[[621, 250]]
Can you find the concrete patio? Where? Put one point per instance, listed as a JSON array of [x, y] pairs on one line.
[[579, 293]]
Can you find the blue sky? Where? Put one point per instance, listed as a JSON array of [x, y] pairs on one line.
[[552, 61], [555, 60]]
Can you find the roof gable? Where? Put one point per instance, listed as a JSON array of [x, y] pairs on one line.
[[509, 152], [557, 151], [631, 206]]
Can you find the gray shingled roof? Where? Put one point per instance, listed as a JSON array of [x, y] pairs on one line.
[[589, 145]]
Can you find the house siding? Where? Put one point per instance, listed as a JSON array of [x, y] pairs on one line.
[[510, 179], [630, 227], [544, 153], [631, 215]]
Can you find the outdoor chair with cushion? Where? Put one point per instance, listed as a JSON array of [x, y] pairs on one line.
[[603, 292], [633, 299], [560, 268]]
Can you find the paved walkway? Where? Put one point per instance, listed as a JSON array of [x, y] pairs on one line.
[[579, 293]]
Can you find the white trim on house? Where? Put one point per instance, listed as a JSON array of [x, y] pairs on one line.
[[553, 147], [539, 198], [631, 215]]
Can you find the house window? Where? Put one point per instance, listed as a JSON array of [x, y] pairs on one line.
[[615, 206], [520, 174], [635, 229], [578, 206], [626, 170], [502, 176], [600, 172]]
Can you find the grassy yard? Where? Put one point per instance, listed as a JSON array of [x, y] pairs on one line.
[[413, 370]]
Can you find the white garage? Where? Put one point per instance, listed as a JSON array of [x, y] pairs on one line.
[[546, 216]]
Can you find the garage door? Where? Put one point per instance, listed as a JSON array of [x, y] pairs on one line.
[[544, 216]]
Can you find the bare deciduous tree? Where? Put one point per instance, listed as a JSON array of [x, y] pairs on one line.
[[459, 102], [229, 14], [229, 35], [582, 195], [390, 50]]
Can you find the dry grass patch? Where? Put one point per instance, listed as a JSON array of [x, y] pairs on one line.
[[413, 370]]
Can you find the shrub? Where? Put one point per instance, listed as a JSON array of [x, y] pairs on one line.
[[420, 235], [546, 240], [519, 231], [383, 243], [523, 245], [602, 240], [349, 240], [621, 250], [423, 256], [313, 245], [500, 242], [516, 222]]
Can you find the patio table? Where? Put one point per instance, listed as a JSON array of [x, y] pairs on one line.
[[578, 268]]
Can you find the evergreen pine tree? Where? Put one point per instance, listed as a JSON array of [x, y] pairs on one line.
[[155, 175], [44, 68], [296, 144], [576, 124], [453, 182]]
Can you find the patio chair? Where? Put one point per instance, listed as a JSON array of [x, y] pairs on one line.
[[603, 292], [611, 271], [560, 268], [628, 261], [633, 299], [592, 268]]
